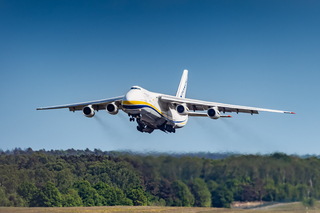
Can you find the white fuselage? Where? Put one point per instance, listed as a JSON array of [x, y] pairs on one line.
[[152, 111]]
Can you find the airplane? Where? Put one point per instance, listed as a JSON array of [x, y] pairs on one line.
[[159, 111]]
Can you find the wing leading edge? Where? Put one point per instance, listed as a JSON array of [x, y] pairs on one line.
[[97, 105], [196, 105]]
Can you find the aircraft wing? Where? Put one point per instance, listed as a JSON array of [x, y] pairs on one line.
[[97, 105], [196, 105]]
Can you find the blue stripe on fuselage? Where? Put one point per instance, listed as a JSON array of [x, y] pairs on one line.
[[143, 106]]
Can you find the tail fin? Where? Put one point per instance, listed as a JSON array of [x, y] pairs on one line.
[[181, 93]]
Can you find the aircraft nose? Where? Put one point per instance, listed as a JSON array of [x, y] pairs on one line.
[[134, 95]]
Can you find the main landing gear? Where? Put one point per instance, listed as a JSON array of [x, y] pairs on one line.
[[170, 128], [167, 128], [142, 126]]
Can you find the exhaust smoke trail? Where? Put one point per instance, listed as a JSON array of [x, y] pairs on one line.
[[108, 129], [214, 132], [249, 135], [125, 119]]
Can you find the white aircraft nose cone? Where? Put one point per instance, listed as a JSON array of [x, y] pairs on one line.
[[133, 96]]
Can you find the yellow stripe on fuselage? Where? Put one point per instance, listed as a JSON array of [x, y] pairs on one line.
[[141, 103], [148, 104]]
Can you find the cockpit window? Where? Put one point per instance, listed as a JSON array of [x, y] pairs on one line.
[[135, 88]]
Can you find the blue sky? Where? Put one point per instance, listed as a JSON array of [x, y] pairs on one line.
[[255, 53]]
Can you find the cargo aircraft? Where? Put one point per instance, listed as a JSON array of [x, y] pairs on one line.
[[159, 111]]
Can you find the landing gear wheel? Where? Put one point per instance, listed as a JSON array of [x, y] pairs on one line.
[[139, 129]]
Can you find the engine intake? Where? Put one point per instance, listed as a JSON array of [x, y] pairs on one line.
[[112, 108], [182, 110], [88, 111], [213, 113]]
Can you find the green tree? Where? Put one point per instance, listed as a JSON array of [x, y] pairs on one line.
[[177, 202], [27, 191], [182, 195], [288, 190], [49, 196], [154, 200], [16, 200], [113, 195], [309, 202], [202, 196], [169, 202], [235, 186], [4, 201], [271, 191], [89, 195], [64, 179], [72, 198], [259, 187], [221, 197], [212, 185], [137, 196], [302, 191]]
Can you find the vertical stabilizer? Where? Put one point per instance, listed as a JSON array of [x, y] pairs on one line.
[[181, 93]]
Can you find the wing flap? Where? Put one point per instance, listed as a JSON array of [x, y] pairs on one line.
[[197, 114], [99, 104], [201, 114], [194, 105]]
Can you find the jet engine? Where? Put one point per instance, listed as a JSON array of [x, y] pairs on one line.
[[213, 113], [182, 110], [88, 111], [112, 108]]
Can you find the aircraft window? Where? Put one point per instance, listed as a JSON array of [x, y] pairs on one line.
[[135, 88]]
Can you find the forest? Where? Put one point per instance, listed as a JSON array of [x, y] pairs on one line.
[[96, 178]]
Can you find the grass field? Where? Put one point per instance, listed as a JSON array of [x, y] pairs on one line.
[[295, 207]]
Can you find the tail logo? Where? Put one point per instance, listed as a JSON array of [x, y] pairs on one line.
[[183, 90]]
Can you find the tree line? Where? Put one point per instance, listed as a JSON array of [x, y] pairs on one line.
[[43, 179], [78, 152]]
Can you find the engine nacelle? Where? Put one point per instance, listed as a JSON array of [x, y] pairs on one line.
[[213, 113], [88, 111], [112, 108], [182, 110]]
